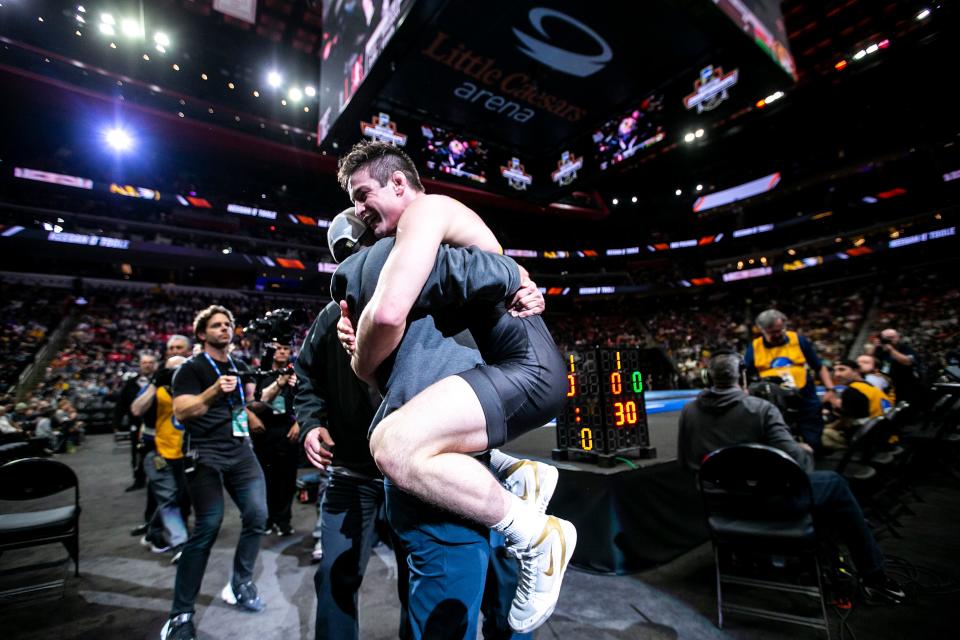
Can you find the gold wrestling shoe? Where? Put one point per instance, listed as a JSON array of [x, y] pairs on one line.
[[533, 482], [542, 567]]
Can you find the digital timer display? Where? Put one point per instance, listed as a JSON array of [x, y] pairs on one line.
[[605, 410]]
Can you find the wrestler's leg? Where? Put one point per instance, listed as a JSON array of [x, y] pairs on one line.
[[421, 447]]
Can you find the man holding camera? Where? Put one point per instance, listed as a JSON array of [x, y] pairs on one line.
[[277, 445], [210, 400], [134, 383], [899, 361]]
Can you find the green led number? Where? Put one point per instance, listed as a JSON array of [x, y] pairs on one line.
[[637, 382]]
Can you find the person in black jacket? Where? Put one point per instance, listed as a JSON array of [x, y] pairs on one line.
[[724, 415]]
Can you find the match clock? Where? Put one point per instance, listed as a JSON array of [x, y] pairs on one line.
[[604, 415]]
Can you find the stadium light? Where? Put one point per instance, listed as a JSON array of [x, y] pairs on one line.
[[698, 133], [161, 39], [690, 137], [633, 199], [274, 79], [295, 94], [81, 9], [615, 201], [678, 191], [107, 18], [131, 28], [699, 187], [310, 91], [106, 29], [923, 15], [118, 139]]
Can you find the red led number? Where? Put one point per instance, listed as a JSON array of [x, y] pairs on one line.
[[616, 383], [625, 413]]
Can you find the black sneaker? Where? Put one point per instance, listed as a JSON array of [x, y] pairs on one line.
[[284, 530], [245, 597], [883, 590], [140, 530], [179, 628]]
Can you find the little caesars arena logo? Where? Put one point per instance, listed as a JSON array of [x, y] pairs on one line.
[[512, 94]]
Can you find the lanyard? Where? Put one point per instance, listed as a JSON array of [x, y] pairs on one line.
[[239, 382]]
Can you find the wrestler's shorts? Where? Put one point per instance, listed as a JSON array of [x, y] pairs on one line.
[[526, 388]]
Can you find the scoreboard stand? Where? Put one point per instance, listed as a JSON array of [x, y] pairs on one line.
[[605, 416]]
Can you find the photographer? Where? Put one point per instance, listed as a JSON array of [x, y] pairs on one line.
[[134, 384], [210, 401], [278, 445], [899, 361]]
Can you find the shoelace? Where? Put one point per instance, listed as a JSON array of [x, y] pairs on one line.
[[528, 574]]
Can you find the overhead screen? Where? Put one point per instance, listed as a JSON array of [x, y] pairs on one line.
[[554, 94]]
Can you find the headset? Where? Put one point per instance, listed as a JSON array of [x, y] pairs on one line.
[[725, 351]]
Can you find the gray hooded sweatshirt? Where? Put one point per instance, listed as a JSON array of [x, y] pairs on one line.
[[724, 417]]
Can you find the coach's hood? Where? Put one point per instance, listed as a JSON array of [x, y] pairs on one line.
[[718, 401]]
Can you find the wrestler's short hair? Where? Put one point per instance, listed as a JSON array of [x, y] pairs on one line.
[[381, 159], [203, 317]]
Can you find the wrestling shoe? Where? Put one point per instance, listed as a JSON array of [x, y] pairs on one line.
[[533, 482], [245, 597], [542, 567], [179, 628]]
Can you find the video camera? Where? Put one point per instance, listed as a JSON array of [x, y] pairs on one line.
[[277, 326]]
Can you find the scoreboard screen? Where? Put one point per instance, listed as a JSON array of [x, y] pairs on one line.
[[605, 411]]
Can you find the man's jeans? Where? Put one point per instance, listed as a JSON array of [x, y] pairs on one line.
[[352, 522], [166, 524], [458, 569], [836, 508], [243, 480]]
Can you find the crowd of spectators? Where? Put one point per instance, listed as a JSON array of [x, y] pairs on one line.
[[922, 305]]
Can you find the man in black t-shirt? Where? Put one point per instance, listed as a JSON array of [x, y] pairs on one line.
[[210, 401]]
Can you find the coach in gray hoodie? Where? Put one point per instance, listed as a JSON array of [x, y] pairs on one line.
[[724, 415]]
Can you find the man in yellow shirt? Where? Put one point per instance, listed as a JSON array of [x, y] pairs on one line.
[[164, 462]]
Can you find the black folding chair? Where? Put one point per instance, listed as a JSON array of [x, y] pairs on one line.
[[31, 479], [758, 499]]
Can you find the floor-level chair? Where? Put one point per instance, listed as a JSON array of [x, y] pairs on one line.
[[758, 500]]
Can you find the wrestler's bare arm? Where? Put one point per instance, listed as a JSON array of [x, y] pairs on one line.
[[426, 224]]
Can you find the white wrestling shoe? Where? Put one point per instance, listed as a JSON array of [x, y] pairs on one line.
[[542, 567], [533, 482]]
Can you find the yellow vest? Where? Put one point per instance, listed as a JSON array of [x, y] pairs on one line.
[[879, 401], [169, 437], [786, 361]]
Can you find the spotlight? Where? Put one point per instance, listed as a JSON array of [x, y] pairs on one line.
[[81, 9], [106, 18], [231, 86], [678, 191], [81, 20], [256, 94], [633, 199], [118, 139], [698, 133], [615, 201], [924, 14], [130, 28], [146, 58], [106, 29], [306, 109], [283, 102], [175, 67], [295, 94], [310, 91], [699, 187], [161, 39], [689, 137], [274, 79], [161, 48], [203, 76]]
